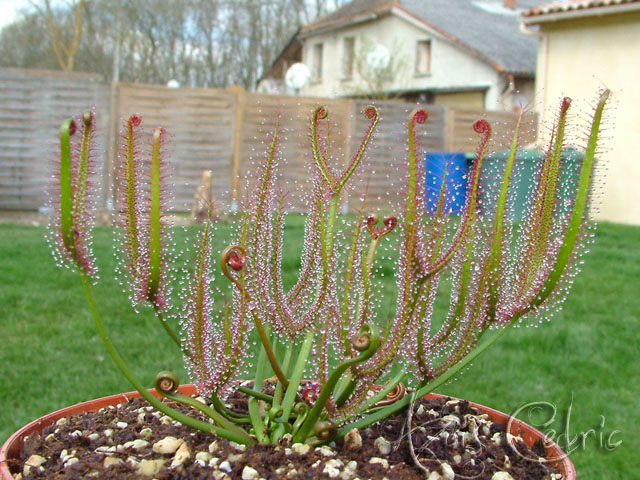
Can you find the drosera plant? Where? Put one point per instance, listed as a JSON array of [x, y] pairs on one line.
[[336, 363]]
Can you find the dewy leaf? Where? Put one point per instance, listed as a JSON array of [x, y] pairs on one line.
[[483, 127], [336, 184], [545, 201], [132, 194], [67, 129], [493, 264], [580, 206], [155, 226], [80, 203]]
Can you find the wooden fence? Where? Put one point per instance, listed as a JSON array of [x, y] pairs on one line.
[[227, 131], [32, 106]]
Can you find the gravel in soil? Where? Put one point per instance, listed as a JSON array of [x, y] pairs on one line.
[[451, 440]]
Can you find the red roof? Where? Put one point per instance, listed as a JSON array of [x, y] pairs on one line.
[[574, 6]]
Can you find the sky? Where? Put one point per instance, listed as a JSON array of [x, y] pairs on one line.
[[8, 10]]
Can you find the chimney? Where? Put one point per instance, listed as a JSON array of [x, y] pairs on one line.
[[511, 4]]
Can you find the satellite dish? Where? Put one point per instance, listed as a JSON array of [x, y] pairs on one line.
[[378, 57], [297, 76]]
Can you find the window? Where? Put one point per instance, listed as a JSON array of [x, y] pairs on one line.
[[423, 57], [317, 62], [348, 57]]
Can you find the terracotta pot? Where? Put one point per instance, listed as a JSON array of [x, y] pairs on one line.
[[11, 448]]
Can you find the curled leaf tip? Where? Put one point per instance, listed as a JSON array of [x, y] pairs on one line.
[[325, 430], [371, 111], [158, 132], [235, 257], [321, 112], [166, 382], [236, 261], [481, 126], [87, 118], [362, 341], [419, 115], [72, 127], [135, 120], [311, 392], [389, 222]]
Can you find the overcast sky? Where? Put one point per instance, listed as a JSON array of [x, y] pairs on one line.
[[8, 10]]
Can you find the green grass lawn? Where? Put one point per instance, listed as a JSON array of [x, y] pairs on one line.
[[586, 358]]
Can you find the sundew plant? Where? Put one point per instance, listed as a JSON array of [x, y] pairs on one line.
[[328, 361]]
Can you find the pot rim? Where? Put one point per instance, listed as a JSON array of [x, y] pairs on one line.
[[11, 447]]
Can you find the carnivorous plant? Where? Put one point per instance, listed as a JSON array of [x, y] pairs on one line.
[[337, 364]]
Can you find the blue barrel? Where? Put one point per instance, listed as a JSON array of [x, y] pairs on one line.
[[455, 184]]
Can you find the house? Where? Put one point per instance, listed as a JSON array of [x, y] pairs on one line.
[[583, 46], [450, 52]]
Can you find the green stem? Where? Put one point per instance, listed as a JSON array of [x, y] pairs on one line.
[[296, 376], [227, 413], [155, 227], [235, 434], [207, 410], [66, 191], [266, 344], [400, 405], [254, 394], [329, 387]]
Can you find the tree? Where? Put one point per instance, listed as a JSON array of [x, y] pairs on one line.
[[377, 83], [64, 41], [213, 43]]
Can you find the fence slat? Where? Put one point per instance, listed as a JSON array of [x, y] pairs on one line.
[[227, 131]]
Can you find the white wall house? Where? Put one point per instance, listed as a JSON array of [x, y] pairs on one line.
[[584, 46], [451, 52]]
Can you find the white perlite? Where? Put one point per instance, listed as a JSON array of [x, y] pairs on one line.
[[447, 473], [235, 457], [332, 470], [326, 451], [501, 476], [383, 445], [34, 461], [148, 468], [349, 471], [237, 446], [136, 444], [451, 421], [203, 458], [300, 448], [167, 445], [353, 440], [379, 460], [108, 461], [249, 473], [182, 455]]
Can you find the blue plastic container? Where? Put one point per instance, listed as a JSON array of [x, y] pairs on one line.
[[455, 184]]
